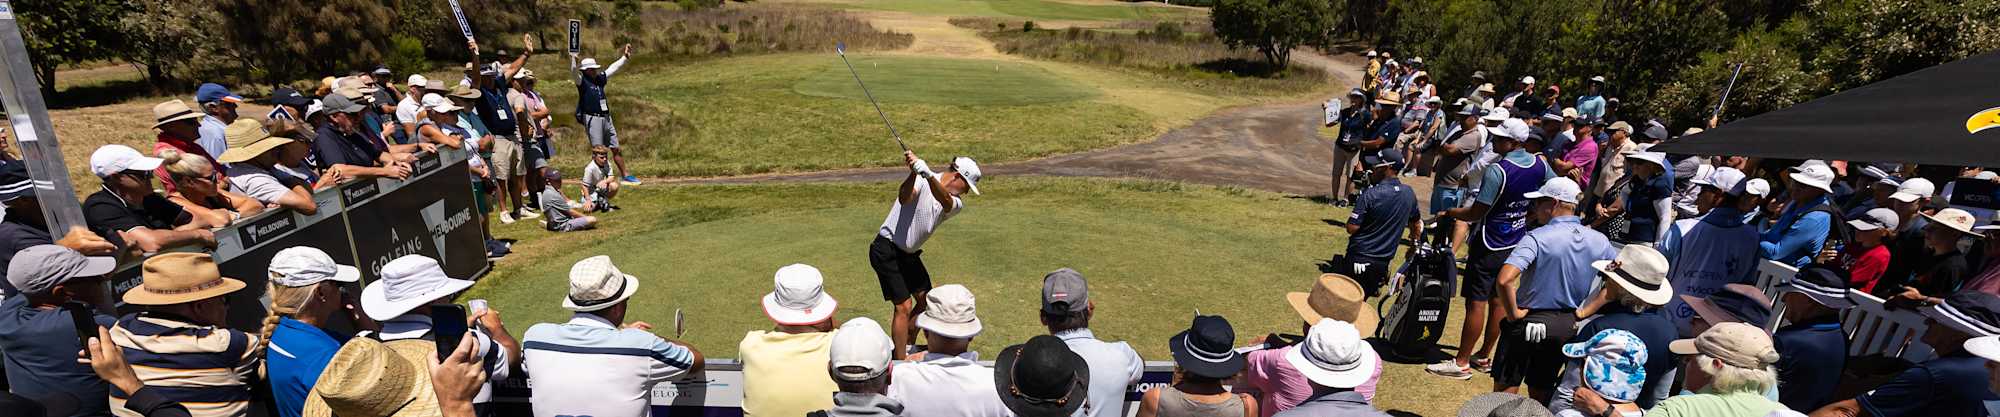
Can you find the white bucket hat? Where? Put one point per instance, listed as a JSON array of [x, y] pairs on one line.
[[1334, 355], [299, 266], [952, 313], [407, 283], [1817, 176], [596, 284], [799, 297], [588, 63]]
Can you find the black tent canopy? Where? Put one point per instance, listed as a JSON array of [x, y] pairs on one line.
[[1943, 115]]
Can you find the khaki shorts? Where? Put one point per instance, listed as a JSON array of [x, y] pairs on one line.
[[507, 159]]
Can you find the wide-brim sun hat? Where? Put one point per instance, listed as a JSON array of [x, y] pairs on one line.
[[1354, 373], [368, 378], [414, 280], [820, 311], [180, 277], [1955, 219], [1205, 350], [1006, 369], [247, 140], [1626, 270], [1336, 297], [172, 111], [1987, 347]]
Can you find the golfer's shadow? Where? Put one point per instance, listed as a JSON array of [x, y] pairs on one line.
[[1389, 352]]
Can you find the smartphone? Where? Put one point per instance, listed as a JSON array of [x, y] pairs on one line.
[[86, 323], [447, 328]]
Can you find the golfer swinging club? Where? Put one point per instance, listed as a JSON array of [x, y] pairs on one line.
[[897, 252]]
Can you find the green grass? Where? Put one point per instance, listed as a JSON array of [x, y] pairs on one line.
[[1030, 9], [1154, 252], [971, 82], [742, 115]]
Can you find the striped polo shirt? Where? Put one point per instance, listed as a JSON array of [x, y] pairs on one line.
[[205, 368], [590, 367]]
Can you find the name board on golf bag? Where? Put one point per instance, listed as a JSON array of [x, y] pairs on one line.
[[357, 223], [718, 392]]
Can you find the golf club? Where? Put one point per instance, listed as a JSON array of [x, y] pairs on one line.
[[840, 48]]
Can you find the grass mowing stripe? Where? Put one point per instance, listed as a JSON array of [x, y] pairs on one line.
[[966, 82]]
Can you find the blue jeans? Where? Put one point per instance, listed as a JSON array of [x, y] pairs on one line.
[[1445, 198]]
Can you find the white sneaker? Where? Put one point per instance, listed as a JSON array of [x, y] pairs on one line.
[[529, 214], [1449, 369], [506, 217]]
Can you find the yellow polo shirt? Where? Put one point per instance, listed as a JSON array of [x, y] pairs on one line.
[[779, 377]]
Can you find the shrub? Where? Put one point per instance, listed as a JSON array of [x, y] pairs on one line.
[[1029, 26], [1167, 31], [406, 54]]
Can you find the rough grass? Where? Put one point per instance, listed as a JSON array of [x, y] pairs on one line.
[[897, 79], [1154, 251], [1028, 9], [738, 30], [1177, 51]]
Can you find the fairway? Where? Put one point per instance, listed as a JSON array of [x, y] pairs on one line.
[[970, 82], [1027, 9]]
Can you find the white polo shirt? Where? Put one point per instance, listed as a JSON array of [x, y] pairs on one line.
[[590, 367], [909, 225], [494, 357], [946, 386]]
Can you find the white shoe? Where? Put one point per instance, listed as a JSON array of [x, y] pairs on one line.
[[1449, 369], [506, 217], [529, 214]]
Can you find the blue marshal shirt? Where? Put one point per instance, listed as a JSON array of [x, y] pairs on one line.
[[1811, 356], [1799, 234], [298, 352], [1950, 386], [1383, 211], [1654, 330], [1719, 250], [1555, 264], [39, 347]]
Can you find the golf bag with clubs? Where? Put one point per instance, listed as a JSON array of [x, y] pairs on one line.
[[1419, 297]]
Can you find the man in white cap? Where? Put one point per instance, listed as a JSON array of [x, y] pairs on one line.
[[1591, 104], [1369, 72], [593, 110], [1335, 359], [1524, 94], [946, 379], [1610, 162], [597, 364], [1545, 279], [1911, 201], [412, 103], [401, 301], [129, 213], [36, 334], [1801, 231], [924, 200], [859, 361], [1719, 248], [803, 315], [1710, 191]]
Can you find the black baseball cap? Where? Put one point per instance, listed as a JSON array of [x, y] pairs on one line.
[[1381, 157]]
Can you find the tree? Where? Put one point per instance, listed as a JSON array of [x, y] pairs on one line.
[[59, 32], [167, 38], [1273, 27], [288, 40]]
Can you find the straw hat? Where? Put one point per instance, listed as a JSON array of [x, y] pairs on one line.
[[172, 111], [180, 277], [247, 140], [369, 379], [1337, 297], [1389, 98]]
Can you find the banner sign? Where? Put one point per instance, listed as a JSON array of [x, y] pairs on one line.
[[463, 26], [575, 36], [718, 392], [361, 223]]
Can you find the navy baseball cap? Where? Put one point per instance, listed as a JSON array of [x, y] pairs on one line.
[[289, 97], [212, 92], [1383, 157], [1971, 312]]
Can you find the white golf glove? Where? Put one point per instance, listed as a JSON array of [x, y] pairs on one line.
[[1535, 332], [923, 169]]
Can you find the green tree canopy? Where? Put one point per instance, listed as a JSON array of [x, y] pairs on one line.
[[1273, 27]]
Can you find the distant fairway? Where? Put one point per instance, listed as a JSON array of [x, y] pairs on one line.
[[946, 81], [1027, 9]]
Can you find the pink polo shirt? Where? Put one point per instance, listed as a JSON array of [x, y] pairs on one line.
[[1280, 386]]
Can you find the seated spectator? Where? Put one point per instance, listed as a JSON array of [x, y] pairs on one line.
[[253, 160], [599, 187], [1735, 303], [37, 337], [1867, 257], [858, 361], [597, 364], [305, 299], [179, 128], [107, 360], [197, 192], [1611, 363], [1801, 230], [1812, 350], [946, 380], [1042, 378], [1635, 286], [1336, 360], [179, 337], [1988, 280], [1501, 404], [22, 225], [1988, 348], [369, 378], [1204, 356], [1281, 386], [1952, 384], [1729, 368], [440, 125], [127, 211], [1066, 311], [802, 313], [562, 217], [400, 300], [343, 149], [1945, 268]]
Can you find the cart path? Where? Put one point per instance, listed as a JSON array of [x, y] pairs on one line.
[[1272, 147]]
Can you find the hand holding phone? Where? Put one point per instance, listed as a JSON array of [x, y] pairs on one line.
[[447, 328], [85, 322]]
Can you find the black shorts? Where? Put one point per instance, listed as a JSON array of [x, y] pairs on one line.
[[1371, 274], [901, 274], [1482, 270], [1537, 363]]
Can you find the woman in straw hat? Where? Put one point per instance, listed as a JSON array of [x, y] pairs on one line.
[[196, 190], [253, 157]]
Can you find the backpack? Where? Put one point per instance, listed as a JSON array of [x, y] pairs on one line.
[[1837, 235]]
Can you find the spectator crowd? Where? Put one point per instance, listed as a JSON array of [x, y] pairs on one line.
[[1608, 279]]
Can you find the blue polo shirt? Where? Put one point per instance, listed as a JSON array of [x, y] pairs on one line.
[[1555, 264], [297, 354], [1383, 211], [39, 347], [1950, 386], [1653, 329], [1811, 356], [1798, 234], [1386, 129]]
